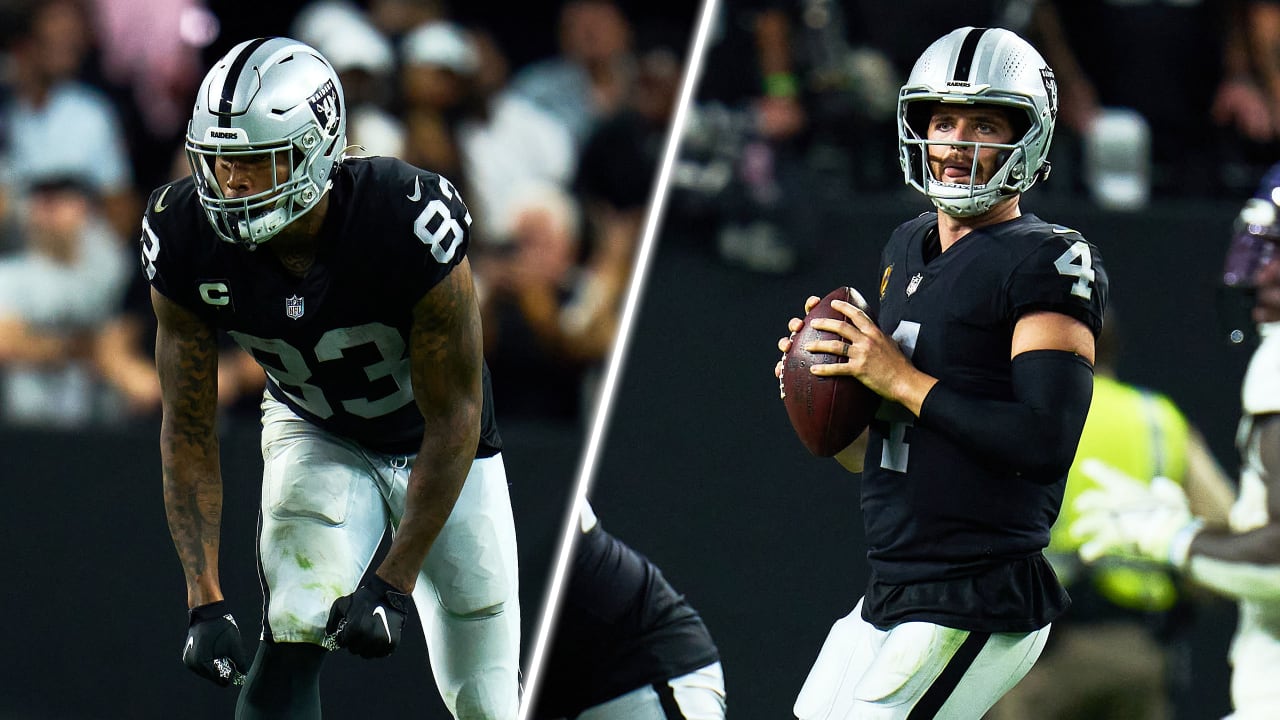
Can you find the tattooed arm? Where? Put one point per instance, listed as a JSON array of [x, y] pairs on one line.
[[446, 358], [187, 361]]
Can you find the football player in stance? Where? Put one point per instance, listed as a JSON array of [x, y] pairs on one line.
[[983, 358], [626, 646], [1148, 519], [347, 279]]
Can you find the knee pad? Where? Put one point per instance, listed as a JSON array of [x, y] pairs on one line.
[[490, 694], [325, 495], [472, 568], [469, 611]]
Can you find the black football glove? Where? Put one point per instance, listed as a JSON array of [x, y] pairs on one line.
[[368, 622], [213, 650]]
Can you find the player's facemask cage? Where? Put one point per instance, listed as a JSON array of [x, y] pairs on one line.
[[1010, 174], [1255, 241], [978, 66], [254, 219]]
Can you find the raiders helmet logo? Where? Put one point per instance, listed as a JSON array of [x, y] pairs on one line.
[[1050, 89], [324, 103]]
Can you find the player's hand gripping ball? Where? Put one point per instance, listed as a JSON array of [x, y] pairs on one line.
[[827, 413]]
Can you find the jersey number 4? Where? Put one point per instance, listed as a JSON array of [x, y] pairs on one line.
[[894, 450], [1082, 271]]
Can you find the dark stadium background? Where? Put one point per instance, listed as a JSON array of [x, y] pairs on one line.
[[699, 468]]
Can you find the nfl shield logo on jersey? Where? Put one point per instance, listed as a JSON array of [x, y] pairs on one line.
[[915, 283], [294, 307]]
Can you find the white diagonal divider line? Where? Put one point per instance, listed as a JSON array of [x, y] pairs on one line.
[[600, 418]]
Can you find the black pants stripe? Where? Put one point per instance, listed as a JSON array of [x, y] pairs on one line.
[[949, 678], [667, 696]]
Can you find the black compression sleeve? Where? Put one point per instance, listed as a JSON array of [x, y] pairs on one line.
[[1036, 433]]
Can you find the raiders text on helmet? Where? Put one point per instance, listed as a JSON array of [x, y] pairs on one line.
[[979, 66], [267, 97]]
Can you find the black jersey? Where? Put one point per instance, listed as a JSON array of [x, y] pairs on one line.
[[622, 627], [952, 537], [334, 344]]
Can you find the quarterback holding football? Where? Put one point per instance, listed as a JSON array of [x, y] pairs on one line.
[[982, 352]]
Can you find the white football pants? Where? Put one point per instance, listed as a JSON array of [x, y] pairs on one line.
[[326, 503], [916, 670], [698, 695]]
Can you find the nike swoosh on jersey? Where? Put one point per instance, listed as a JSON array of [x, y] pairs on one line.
[[1063, 231], [160, 206], [417, 190], [381, 614], [190, 644]]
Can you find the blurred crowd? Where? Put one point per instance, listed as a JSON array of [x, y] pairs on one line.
[[1159, 99], [549, 117]]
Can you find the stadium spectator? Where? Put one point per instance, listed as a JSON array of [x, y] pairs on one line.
[[437, 63], [58, 124], [150, 52], [592, 76], [396, 18], [620, 161], [753, 88], [508, 144], [53, 296], [1262, 46], [1109, 55], [366, 64], [547, 319]]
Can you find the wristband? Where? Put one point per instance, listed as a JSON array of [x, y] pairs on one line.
[[386, 591], [1180, 544], [210, 611]]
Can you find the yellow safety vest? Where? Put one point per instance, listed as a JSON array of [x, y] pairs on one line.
[[1144, 434]]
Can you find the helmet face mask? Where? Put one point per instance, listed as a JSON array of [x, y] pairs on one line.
[[1253, 243], [979, 67], [274, 99]]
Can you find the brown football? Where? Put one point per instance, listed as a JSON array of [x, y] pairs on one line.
[[827, 413]]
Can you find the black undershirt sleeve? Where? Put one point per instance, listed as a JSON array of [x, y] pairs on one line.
[[1034, 435]]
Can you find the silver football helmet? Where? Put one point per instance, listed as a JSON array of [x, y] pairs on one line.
[[269, 96], [979, 66]]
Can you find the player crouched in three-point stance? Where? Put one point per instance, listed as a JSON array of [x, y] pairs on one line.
[[1150, 520], [347, 279], [983, 357], [627, 645]]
